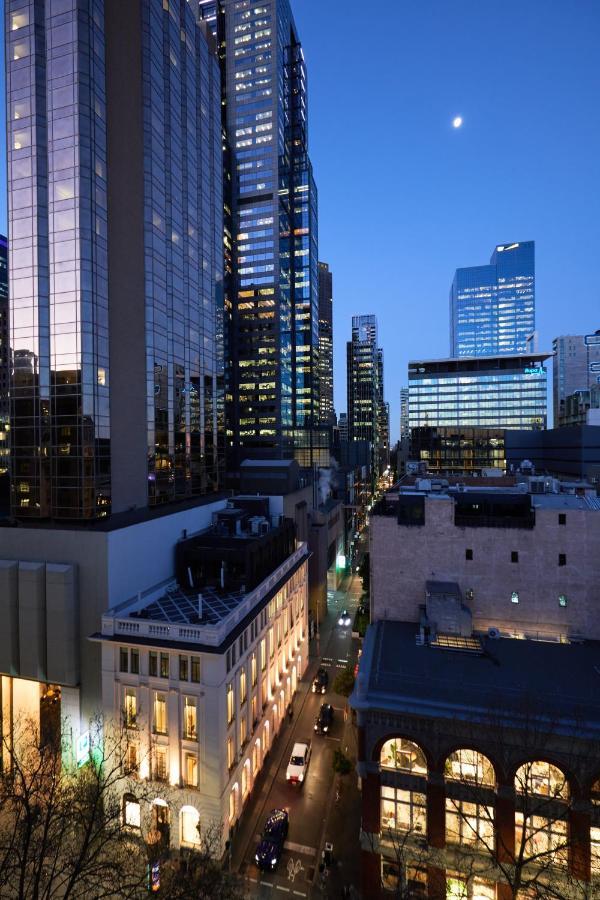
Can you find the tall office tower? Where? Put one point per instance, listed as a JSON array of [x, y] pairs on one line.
[[115, 190], [343, 426], [404, 419], [363, 363], [575, 367], [326, 412], [383, 417], [492, 308], [274, 409], [4, 360]]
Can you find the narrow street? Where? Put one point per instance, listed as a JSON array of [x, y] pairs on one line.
[[309, 806]]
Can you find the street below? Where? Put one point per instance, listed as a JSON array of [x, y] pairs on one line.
[[309, 805]]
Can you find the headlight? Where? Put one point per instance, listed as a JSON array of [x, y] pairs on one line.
[[325, 727], [274, 862], [257, 858]]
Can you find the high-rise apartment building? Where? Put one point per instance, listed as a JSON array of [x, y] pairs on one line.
[[115, 190], [492, 308], [274, 317], [326, 411], [576, 367]]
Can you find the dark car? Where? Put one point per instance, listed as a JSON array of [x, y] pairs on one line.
[[273, 838], [324, 720], [320, 681]]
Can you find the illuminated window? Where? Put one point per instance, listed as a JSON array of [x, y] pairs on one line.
[[191, 770], [160, 763], [230, 703], [400, 753], [469, 823], [160, 713], [541, 836], [514, 597], [190, 825], [132, 817], [230, 753], [541, 779], [471, 766], [130, 707], [189, 718], [403, 811]]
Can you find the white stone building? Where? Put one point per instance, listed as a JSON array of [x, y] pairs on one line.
[[201, 683]]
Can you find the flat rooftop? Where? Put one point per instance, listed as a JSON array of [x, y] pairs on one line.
[[182, 607], [508, 677]]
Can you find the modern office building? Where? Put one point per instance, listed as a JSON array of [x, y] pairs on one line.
[[343, 427], [326, 410], [365, 384], [465, 394], [576, 368], [450, 450], [4, 367], [115, 189], [492, 307], [273, 410], [201, 670]]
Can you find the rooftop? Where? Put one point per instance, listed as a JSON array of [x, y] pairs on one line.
[[508, 677]]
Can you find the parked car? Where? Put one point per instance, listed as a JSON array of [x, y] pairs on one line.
[[298, 764], [270, 847], [320, 681], [344, 618], [324, 720]]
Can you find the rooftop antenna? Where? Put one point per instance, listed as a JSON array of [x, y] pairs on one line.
[[199, 607], [222, 574], [190, 579]]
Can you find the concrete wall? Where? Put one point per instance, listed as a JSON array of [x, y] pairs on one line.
[[404, 558]]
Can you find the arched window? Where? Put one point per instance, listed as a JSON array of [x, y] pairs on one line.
[[190, 825], [132, 817], [399, 753], [471, 766], [541, 779]]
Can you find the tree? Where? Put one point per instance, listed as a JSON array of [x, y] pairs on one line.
[[531, 859], [63, 831], [343, 683]]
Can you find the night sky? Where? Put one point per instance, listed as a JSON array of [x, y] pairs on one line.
[[404, 198]]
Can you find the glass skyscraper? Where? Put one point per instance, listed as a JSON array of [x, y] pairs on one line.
[[492, 308], [326, 410], [4, 358], [368, 414], [273, 400], [116, 262]]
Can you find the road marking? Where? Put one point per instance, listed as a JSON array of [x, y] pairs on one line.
[[332, 738], [280, 887], [300, 848], [267, 883], [299, 894]]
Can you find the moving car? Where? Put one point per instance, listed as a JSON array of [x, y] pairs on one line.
[[344, 618], [270, 846], [324, 720], [298, 764], [320, 681]]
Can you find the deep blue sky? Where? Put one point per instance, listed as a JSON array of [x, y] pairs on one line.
[[405, 199]]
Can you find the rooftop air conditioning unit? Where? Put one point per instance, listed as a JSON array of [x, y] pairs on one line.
[[494, 633]]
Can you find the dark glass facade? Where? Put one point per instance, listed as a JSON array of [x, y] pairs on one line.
[[492, 308], [326, 410], [273, 320], [4, 358], [492, 392], [368, 414], [112, 405], [459, 451]]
